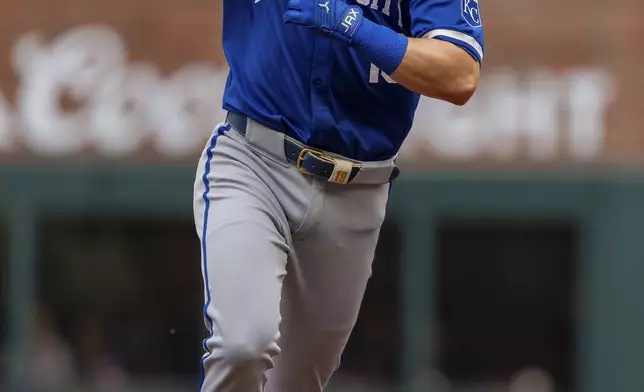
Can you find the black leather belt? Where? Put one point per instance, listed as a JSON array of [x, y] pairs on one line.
[[308, 160]]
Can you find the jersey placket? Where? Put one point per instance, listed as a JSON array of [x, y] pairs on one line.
[[321, 66]]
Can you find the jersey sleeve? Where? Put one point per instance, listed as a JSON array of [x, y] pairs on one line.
[[455, 21]]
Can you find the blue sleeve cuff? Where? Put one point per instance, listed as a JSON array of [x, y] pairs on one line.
[[384, 47]]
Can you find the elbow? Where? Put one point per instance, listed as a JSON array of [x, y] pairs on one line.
[[462, 89], [462, 95]]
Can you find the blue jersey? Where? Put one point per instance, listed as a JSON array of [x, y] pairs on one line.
[[321, 91]]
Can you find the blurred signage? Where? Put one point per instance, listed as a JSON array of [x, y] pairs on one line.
[[539, 116], [79, 91], [117, 80]]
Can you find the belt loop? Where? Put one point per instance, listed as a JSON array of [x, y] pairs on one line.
[[341, 172]]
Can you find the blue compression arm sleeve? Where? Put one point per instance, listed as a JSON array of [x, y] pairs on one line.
[[384, 47]]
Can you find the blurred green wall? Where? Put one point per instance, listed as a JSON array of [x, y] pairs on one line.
[[608, 208]]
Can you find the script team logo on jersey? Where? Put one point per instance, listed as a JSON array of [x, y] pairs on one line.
[[470, 12]]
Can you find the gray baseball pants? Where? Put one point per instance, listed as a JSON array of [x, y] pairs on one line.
[[285, 261]]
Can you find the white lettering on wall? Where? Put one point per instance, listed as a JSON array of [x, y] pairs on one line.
[[537, 115], [6, 125], [74, 64], [123, 104], [120, 110], [590, 93], [186, 106]]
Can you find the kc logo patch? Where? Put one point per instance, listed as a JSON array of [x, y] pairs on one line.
[[471, 13]]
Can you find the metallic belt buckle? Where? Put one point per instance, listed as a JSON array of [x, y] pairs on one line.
[[315, 153], [341, 167]]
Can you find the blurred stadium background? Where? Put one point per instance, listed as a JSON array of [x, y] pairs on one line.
[[512, 259]]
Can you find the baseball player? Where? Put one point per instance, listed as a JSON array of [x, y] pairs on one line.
[[292, 187]]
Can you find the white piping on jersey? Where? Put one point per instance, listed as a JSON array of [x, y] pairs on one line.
[[458, 36]]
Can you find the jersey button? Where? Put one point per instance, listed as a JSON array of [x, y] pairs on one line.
[[318, 83]]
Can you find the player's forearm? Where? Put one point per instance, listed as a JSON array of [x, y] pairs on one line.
[[445, 68], [438, 69], [431, 67]]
